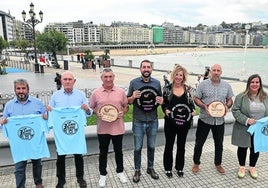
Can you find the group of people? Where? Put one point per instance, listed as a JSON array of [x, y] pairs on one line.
[[109, 102]]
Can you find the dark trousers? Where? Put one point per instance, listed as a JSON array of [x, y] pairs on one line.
[[104, 142], [242, 155], [79, 165], [171, 131], [201, 134], [20, 174]]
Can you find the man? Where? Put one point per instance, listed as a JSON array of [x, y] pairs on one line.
[[24, 126], [110, 126], [66, 98], [145, 120], [208, 91]]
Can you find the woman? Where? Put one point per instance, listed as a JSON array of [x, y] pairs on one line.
[[249, 106], [179, 109]]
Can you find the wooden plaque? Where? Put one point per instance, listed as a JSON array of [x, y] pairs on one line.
[[109, 112], [216, 109]]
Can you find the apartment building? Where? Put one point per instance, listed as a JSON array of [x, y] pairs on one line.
[[79, 33]]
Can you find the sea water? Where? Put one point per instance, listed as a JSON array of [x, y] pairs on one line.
[[237, 64]]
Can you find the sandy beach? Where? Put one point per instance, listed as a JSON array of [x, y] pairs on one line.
[[156, 51]]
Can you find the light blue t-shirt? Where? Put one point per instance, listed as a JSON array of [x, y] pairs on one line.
[[26, 135], [260, 131], [68, 125]]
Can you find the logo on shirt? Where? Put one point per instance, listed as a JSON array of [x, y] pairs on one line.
[[70, 127], [264, 130], [26, 133]]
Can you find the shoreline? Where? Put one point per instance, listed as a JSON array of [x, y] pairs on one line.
[[158, 51]]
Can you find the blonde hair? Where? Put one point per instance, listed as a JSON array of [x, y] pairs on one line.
[[177, 69]]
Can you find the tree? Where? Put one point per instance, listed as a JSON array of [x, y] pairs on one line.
[[89, 55], [51, 42], [3, 45], [106, 56]]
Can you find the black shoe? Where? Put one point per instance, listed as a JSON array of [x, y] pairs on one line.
[[82, 183], [137, 176], [180, 173], [152, 173], [169, 174]]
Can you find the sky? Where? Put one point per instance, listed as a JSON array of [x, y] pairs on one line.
[[179, 12]]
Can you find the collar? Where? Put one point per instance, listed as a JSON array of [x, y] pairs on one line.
[[150, 79]]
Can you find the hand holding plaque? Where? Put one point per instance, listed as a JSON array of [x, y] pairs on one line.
[[147, 100], [216, 109], [108, 113]]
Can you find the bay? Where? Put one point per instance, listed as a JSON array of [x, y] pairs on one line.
[[236, 64]]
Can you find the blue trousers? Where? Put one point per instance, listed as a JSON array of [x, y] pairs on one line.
[[20, 175], [140, 129]]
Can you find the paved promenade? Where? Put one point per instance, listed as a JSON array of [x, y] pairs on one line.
[[207, 177]]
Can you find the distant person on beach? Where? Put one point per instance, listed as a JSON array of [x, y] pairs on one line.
[[68, 108], [26, 142], [177, 97], [206, 74], [93, 65], [57, 79], [249, 106], [211, 90], [166, 77], [110, 129], [198, 81], [78, 58], [145, 94]]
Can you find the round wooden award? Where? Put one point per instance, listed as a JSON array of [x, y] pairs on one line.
[[108, 113], [216, 109]]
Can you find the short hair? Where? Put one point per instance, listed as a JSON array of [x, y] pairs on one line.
[[68, 72], [107, 70], [147, 61], [21, 81]]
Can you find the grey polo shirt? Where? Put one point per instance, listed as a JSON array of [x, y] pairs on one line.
[[136, 84], [207, 93]]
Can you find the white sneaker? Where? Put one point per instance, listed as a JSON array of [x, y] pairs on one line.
[[102, 181], [122, 177]]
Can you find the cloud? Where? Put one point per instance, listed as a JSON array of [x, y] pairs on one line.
[[179, 12]]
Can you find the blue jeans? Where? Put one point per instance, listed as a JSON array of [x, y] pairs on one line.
[[20, 175], [140, 128]]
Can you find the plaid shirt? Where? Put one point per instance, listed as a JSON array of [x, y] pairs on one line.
[[207, 93]]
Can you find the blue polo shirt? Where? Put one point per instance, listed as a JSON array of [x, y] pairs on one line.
[[31, 106]]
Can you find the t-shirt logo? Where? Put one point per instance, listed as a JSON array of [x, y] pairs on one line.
[[26, 133], [70, 127], [264, 130]]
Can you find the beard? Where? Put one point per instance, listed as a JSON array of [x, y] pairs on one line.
[[146, 74], [22, 96]]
